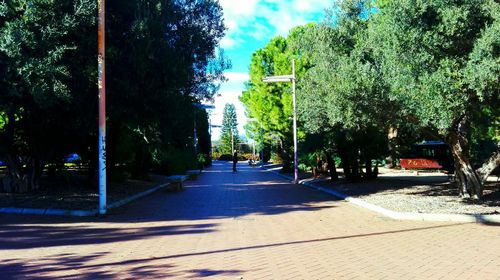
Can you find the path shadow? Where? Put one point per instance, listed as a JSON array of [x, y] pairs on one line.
[[215, 195], [17, 237], [94, 267], [71, 266], [195, 210]]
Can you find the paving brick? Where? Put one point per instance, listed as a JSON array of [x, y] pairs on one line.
[[245, 225]]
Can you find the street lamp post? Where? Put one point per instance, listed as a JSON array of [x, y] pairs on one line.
[[262, 148], [290, 78], [261, 153]]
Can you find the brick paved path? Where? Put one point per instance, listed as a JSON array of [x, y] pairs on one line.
[[248, 225]]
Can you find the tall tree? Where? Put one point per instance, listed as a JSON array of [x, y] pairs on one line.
[[271, 104], [229, 134], [162, 57], [441, 61], [40, 46], [341, 96]]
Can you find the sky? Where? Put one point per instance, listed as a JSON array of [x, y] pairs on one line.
[[251, 24]]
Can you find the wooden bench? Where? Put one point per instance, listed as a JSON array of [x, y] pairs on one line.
[[176, 181]]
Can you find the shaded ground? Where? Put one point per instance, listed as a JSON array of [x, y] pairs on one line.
[[73, 194]]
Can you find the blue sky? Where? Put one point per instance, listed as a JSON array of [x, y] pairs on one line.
[[251, 24]]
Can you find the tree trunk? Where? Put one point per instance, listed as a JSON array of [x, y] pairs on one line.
[[14, 181], [19, 179], [331, 167], [346, 165], [469, 183], [391, 145], [33, 174], [368, 167], [355, 166], [491, 164]]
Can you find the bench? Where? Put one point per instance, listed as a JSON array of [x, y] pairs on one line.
[[176, 181], [419, 163]]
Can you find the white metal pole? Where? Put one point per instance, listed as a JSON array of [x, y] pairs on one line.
[[101, 66], [262, 146], [295, 159], [253, 148], [210, 133]]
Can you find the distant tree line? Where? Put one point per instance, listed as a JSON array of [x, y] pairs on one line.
[[161, 59], [404, 69]]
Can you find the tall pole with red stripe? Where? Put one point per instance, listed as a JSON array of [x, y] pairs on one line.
[[101, 62]]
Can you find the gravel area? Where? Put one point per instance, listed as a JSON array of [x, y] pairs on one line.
[[406, 191]]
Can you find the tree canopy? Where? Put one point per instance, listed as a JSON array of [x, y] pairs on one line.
[[373, 69], [161, 59], [270, 104], [229, 134], [440, 61]]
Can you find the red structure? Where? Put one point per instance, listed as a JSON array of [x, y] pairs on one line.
[[429, 155], [419, 163]]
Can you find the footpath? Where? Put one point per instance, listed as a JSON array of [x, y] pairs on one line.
[[251, 224]]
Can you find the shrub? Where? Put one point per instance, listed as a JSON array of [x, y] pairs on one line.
[[225, 157], [176, 162]]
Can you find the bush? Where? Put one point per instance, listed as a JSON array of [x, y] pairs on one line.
[[225, 157], [176, 162], [303, 167], [276, 158], [204, 160], [246, 156], [216, 155], [241, 157]]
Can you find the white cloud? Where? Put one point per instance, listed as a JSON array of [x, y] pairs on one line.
[[311, 6], [266, 18], [236, 15], [236, 77], [260, 31], [227, 42]]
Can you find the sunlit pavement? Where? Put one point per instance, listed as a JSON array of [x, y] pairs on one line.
[[246, 225]]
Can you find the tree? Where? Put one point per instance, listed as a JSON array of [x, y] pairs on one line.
[[271, 104], [441, 61], [161, 57], [229, 134], [340, 97], [39, 43]]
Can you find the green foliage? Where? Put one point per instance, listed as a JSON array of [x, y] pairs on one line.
[[430, 51], [44, 101], [229, 133], [177, 162], [270, 104], [161, 57], [342, 98], [482, 71]]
